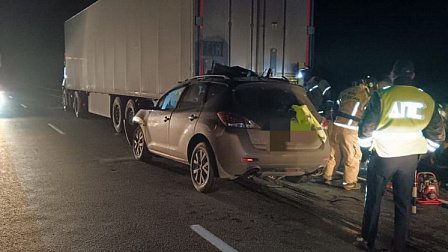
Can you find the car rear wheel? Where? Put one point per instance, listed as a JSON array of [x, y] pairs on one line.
[[139, 147], [203, 168]]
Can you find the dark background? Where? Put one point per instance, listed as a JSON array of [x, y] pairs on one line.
[[353, 38]]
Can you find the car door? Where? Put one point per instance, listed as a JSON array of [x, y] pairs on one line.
[[184, 119], [158, 122]]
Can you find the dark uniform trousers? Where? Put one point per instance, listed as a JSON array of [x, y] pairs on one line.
[[401, 171]]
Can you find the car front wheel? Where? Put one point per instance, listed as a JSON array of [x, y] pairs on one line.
[[139, 148], [203, 168]]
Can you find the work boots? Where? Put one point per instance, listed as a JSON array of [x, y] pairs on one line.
[[352, 186]]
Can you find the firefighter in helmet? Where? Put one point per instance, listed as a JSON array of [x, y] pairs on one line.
[[344, 135], [318, 91]]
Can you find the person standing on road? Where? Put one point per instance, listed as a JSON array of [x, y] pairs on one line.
[[401, 122], [344, 135]]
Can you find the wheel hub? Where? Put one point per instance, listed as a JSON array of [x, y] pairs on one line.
[[200, 167], [138, 143]]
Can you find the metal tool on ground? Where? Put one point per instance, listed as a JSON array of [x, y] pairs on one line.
[[425, 191], [427, 188]]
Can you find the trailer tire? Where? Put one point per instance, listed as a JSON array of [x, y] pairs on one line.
[[77, 105], [129, 111], [66, 100], [117, 114]]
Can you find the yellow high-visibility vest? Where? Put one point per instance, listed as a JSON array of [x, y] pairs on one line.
[[405, 112]]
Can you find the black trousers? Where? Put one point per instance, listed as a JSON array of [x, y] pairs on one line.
[[401, 171]]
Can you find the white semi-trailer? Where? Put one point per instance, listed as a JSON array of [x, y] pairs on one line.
[[121, 55]]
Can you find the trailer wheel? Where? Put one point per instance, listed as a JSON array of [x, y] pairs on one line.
[[129, 111], [65, 100], [203, 168], [77, 104], [117, 114]]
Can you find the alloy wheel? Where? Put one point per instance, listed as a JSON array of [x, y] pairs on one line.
[[200, 167], [138, 143]]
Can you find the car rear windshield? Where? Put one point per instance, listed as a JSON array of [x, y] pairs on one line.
[[266, 97]]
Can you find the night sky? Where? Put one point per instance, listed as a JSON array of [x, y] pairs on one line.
[[353, 38], [364, 37]]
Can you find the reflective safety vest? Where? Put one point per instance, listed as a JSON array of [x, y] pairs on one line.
[[352, 102], [305, 121], [405, 112]]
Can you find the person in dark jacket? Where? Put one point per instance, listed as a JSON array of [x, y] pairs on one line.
[[401, 122], [318, 91]]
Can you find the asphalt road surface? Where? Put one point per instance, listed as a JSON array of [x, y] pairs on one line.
[[69, 184]]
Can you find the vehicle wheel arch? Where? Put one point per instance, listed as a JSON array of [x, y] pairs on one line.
[[195, 140]]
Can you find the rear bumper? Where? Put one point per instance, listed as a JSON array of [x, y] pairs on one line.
[[231, 149]]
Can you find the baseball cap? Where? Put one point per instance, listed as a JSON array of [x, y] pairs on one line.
[[403, 68]]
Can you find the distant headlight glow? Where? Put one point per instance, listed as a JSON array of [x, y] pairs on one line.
[[2, 98]]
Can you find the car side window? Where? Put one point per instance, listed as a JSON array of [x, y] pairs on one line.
[[170, 100], [193, 97], [215, 95]]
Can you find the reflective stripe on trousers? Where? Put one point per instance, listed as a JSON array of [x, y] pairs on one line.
[[344, 149]]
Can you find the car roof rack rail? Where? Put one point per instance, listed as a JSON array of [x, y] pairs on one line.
[[210, 76]]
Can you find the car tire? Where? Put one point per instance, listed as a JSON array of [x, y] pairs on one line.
[[203, 169], [139, 147], [117, 114]]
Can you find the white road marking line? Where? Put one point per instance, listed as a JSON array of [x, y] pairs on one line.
[[55, 128], [10, 97], [212, 239], [23, 105]]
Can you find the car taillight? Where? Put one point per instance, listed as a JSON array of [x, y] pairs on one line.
[[325, 124], [249, 160], [231, 120]]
